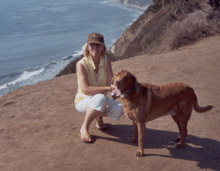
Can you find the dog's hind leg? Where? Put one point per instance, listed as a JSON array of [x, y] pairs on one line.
[[182, 116], [183, 125], [176, 119], [185, 114], [175, 113]]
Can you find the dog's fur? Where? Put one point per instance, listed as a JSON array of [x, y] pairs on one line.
[[146, 102]]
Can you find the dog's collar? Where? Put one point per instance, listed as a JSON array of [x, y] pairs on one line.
[[129, 92]]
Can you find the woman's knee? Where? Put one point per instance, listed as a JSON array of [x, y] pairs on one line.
[[99, 101], [99, 98]]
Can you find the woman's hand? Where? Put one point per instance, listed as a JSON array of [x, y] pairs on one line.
[[112, 87]]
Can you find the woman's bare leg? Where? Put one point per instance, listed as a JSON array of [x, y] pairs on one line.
[[91, 114]]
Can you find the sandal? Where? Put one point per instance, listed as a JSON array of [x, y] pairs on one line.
[[103, 127], [86, 138], [100, 124]]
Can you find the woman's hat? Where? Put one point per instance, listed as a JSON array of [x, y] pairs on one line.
[[95, 38]]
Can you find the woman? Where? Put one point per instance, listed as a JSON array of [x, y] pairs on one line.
[[94, 74]]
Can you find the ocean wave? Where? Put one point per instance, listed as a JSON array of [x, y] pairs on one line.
[[121, 5], [76, 54], [27, 75], [128, 7], [47, 72]]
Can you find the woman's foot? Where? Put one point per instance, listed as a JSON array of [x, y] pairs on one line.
[[100, 124], [85, 137]]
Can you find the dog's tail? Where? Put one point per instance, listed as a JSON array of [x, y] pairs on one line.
[[201, 109]]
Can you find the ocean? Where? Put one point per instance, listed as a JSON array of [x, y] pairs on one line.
[[38, 38]]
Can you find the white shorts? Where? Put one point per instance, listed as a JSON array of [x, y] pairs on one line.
[[102, 103]]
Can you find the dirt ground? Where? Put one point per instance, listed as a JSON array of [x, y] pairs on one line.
[[39, 123]]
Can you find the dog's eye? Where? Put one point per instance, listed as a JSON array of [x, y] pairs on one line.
[[125, 78], [118, 83]]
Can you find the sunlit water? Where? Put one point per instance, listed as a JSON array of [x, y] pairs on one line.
[[38, 38]]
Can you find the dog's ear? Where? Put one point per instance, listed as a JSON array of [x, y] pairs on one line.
[[135, 82], [134, 79], [137, 86]]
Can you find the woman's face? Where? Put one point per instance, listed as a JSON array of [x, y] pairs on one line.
[[95, 50]]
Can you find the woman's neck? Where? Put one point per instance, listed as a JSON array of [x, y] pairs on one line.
[[96, 61]]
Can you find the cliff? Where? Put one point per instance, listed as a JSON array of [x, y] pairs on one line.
[[167, 25]]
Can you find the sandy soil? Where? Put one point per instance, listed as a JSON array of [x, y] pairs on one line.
[[39, 123]]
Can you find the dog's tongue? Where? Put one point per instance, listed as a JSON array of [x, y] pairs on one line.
[[116, 92]]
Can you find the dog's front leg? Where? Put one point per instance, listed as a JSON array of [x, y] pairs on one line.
[[141, 138], [135, 133]]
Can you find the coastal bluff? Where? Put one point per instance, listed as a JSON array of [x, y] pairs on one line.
[[167, 25], [39, 123]]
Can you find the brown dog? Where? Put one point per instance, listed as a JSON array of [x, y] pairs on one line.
[[146, 102]]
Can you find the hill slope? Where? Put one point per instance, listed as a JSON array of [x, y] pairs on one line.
[[39, 124], [167, 25]]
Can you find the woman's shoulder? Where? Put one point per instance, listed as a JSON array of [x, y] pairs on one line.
[[81, 61]]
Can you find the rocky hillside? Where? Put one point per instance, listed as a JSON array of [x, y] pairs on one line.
[[167, 25]]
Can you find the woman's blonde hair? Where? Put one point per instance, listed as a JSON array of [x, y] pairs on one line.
[[86, 51]]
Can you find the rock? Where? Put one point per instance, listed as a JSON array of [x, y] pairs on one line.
[[167, 25]]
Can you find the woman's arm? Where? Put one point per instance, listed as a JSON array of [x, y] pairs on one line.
[[83, 79]]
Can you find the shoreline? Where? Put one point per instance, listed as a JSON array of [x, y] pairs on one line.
[[38, 74], [135, 6]]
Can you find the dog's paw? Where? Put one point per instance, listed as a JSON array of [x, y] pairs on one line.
[[132, 140], [178, 139], [179, 146], [139, 153]]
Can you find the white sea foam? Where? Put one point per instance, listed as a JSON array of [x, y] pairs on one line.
[[26, 75], [78, 53], [129, 24], [121, 5], [104, 2], [4, 86]]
